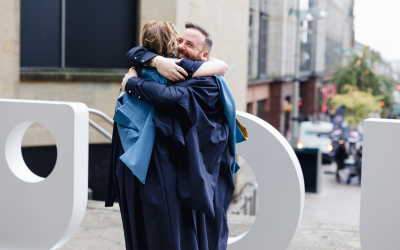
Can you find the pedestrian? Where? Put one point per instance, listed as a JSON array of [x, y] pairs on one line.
[[358, 163], [340, 156]]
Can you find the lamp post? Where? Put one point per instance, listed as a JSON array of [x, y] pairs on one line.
[[296, 84]]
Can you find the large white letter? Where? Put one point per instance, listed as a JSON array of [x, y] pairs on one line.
[[280, 183], [35, 212], [380, 189]]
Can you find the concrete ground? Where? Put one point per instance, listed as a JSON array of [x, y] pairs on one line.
[[330, 221], [331, 218]]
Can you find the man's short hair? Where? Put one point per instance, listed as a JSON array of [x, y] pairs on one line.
[[208, 41]]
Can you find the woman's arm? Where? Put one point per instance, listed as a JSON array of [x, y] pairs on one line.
[[193, 68], [212, 67]]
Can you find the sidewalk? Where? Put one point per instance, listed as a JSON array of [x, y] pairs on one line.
[[330, 222], [331, 218]]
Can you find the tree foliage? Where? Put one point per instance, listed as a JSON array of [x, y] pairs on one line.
[[358, 104], [360, 73]]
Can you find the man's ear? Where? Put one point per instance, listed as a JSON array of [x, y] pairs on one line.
[[204, 56]]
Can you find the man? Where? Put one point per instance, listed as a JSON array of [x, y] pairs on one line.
[[189, 182]]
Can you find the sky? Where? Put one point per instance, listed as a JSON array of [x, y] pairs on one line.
[[377, 24]]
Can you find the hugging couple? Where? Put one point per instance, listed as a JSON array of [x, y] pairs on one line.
[[173, 144]]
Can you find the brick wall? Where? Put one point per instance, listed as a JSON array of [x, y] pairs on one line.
[[309, 94]]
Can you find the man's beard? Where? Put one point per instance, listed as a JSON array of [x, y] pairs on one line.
[[187, 56]]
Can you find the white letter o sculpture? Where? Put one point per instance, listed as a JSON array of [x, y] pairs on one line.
[[280, 184], [35, 212]]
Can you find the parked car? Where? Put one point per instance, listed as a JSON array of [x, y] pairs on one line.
[[315, 134]]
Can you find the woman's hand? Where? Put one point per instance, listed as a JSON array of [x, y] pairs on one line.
[[133, 73], [168, 69], [212, 67]]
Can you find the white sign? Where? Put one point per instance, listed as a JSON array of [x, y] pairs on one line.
[[35, 212], [280, 183], [44, 213], [380, 189]]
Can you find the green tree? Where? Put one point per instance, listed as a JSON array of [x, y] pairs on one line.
[[359, 72], [358, 104]]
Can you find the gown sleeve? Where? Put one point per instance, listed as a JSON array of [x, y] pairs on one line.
[[190, 66], [154, 93], [138, 56]]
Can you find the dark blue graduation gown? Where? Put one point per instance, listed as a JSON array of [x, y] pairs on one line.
[[189, 184]]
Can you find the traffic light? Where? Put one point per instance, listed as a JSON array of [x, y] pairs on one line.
[[300, 102], [398, 87]]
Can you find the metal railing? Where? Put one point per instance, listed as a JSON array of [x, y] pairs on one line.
[[97, 126], [247, 204]]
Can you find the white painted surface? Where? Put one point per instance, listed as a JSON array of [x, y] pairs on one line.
[[280, 183], [35, 212], [380, 189]]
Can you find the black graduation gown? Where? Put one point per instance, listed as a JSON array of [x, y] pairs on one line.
[[189, 184]]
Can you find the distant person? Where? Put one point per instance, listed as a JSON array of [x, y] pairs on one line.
[[359, 162], [340, 156]]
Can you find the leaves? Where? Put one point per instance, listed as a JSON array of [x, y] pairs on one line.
[[358, 104], [360, 89]]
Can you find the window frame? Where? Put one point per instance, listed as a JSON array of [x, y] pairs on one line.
[[63, 67], [263, 45]]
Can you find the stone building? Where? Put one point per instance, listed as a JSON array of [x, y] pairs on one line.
[[326, 31], [74, 51]]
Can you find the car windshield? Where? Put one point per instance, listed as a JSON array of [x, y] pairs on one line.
[[315, 134]]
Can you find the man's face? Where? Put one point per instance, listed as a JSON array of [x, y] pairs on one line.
[[192, 45]]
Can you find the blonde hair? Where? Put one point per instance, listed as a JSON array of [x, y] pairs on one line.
[[160, 38]]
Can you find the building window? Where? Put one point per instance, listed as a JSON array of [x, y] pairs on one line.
[[262, 46], [261, 108], [306, 46], [77, 34], [40, 33], [306, 38], [263, 6], [251, 27], [332, 54]]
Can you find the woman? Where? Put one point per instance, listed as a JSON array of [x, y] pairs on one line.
[[153, 215]]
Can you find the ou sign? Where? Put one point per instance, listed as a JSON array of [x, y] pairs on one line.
[[44, 213]]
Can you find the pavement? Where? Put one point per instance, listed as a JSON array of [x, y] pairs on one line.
[[331, 218], [330, 221]]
